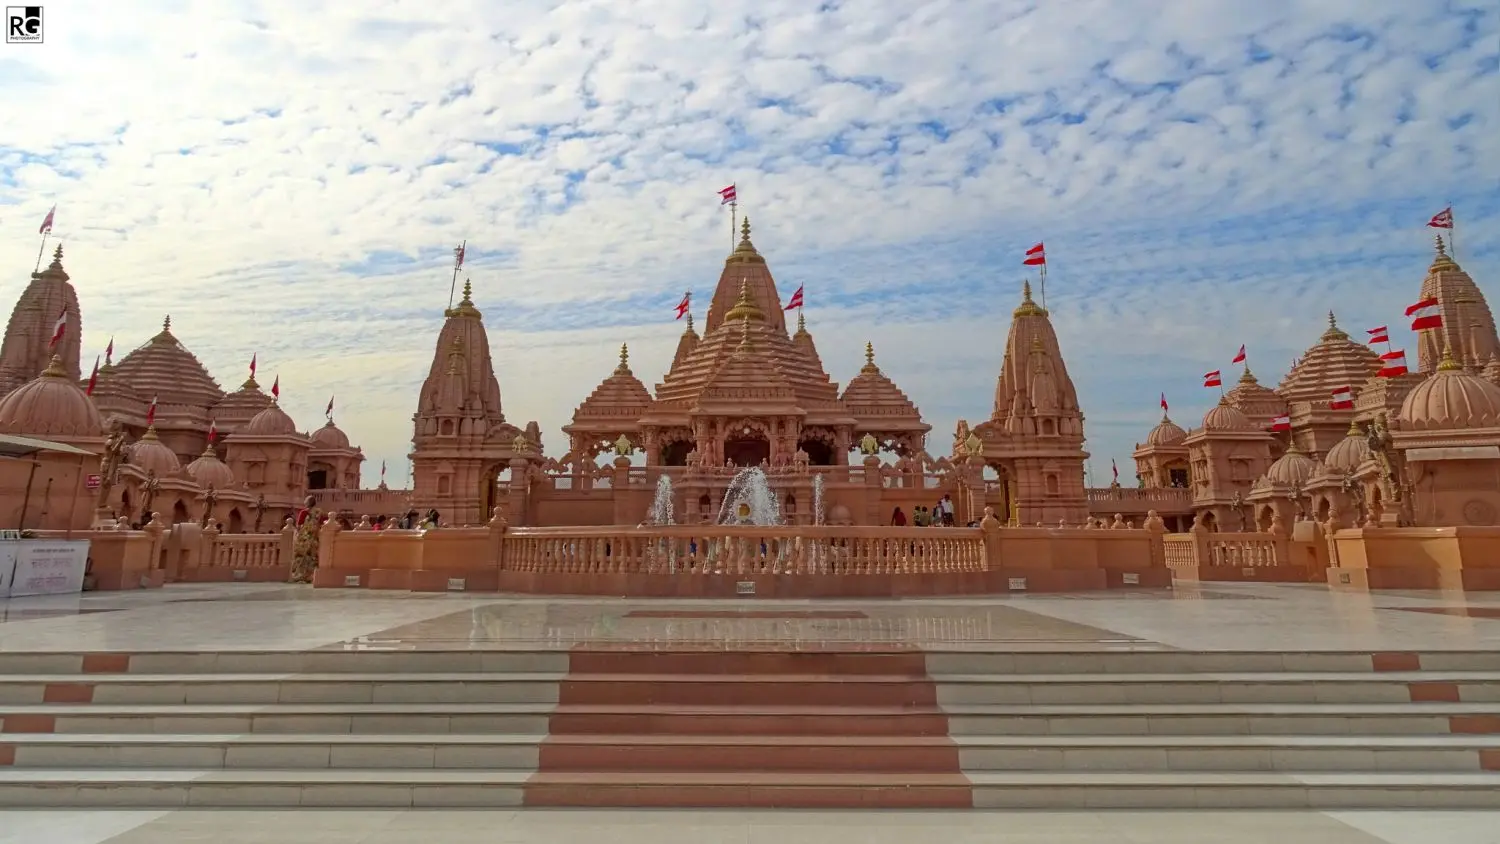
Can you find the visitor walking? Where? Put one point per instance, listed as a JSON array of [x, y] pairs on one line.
[[305, 542]]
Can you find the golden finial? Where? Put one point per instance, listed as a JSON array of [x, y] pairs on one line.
[[745, 333], [1442, 260], [1248, 377], [1334, 332], [689, 323], [1354, 429], [465, 306], [1028, 307], [166, 324], [1449, 364], [801, 322], [624, 367], [744, 307], [870, 366], [55, 368], [745, 230]]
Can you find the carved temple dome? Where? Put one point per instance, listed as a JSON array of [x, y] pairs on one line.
[[1224, 417], [1451, 399], [1254, 399], [619, 398], [1291, 469], [1334, 362], [1166, 433], [209, 471], [872, 395], [271, 422], [1349, 453], [163, 367], [328, 436], [150, 454], [50, 406], [240, 406]]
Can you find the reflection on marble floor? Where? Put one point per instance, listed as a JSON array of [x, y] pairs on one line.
[[281, 617], [786, 827]]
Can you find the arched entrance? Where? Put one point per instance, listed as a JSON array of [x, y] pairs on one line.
[[747, 448], [675, 453], [819, 452], [489, 489], [236, 521], [179, 513]]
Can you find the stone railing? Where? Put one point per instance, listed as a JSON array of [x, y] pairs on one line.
[[195, 554], [1179, 549], [248, 550], [1135, 499], [735, 550], [1201, 554]]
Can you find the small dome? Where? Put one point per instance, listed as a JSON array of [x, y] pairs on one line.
[[270, 422], [1349, 453], [1223, 417], [1166, 432], [209, 471], [50, 406], [1291, 469], [329, 436], [1451, 399], [150, 454]]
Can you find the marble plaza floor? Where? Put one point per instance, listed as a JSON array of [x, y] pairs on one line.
[[287, 618]]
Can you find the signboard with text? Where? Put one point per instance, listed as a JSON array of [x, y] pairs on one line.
[[49, 566]]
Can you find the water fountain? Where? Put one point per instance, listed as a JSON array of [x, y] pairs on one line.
[[749, 500], [818, 500], [661, 512]]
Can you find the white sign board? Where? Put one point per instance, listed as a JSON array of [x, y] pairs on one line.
[[7, 566], [49, 567]]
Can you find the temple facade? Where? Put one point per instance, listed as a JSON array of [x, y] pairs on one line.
[[1420, 448]]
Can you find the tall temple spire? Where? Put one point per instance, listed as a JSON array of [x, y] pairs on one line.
[[27, 347], [1468, 328]]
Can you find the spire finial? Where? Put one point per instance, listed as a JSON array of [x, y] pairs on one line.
[[745, 229], [1332, 321], [869, 353], [624, 367], [1448, 364], [689, 323], [801, 322], [55, 368], [166, 323], [744, 307], [745, 333], [468, 293], [1028, 305], [56, 257], [1437, 237], [1026, 291]]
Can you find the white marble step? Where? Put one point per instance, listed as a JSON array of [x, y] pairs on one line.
[[164, 788], [978, 753]]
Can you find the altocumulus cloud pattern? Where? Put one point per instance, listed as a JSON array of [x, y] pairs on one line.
[[288, 179]]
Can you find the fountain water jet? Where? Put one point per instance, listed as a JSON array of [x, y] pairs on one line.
[[661, 512], [749, 500]]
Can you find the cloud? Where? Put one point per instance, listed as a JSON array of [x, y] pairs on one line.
[[288, 179]]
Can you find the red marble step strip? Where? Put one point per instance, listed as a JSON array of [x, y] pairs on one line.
[[586, 660], [68, 693], [936, 756], [1396, 661], [1489, 759], [1474, 724], [1433, 692], [731, 722], [106, 663], [7, 755], [746, 690], [28, 724]]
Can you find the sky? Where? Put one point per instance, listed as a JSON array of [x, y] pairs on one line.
[[289, 180]]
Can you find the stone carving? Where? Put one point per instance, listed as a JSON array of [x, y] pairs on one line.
[[974, 445], [109, 462], [1479, 513], [624, 447], [961, 437], [1382, 449], [869, 446]]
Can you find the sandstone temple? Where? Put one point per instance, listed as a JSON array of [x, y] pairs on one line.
[[153, 443]]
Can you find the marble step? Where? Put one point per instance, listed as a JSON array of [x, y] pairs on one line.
[[645, 719], [751, 753], [788, 689], [361, 658], [400, 788]]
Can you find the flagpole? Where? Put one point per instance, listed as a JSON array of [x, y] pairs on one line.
[[734, 219], [1044, 286], [453, 285], [41, 249], [1453, 233]]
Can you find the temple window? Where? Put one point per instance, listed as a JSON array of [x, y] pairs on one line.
[[445, 484], [675, 453], [1177, 478], [1052, 488], [446, 429], [1049, 428], [819, 453], [317, 479]]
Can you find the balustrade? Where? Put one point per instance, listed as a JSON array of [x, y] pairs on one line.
[[248, 551]]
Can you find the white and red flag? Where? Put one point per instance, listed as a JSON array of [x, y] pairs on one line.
[[59, 328], [276, 388], [93, 378], [1442, 219], [1343, 399], [328, 412], [1239, 356], [1393, 363], [1114, 467], [253, 358], [1425, 314], [47, 221], [1212, 379], [685, 305], [1281, 423], [213, 431], [151, 413], [1379, 334], [727, 195], [458, 255], [1163, 402], [1036, 256], [795, 301]]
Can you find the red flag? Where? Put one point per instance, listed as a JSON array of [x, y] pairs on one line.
[[109, 350], [276, 388], [727, 195], [685, 305], [252, 363], [329, 411], [59, 328], [796, 300], [382, 471], [47, 221], [1392, 364], [458, 256], [1343, 399], [213, 431], [1240, 356], [93, 378], [1425, 314], [1281, 423], [1115, 468], [1441, 220], [1212, 379], [1163, 403], [1381, 334], [151, 413], [1036, 256]]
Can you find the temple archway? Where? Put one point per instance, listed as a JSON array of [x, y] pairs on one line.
[[179, 513], [819, 452], [1263, 523], [236, 522], [675, 453], [489, 493], [747, 449], [320, 475]]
